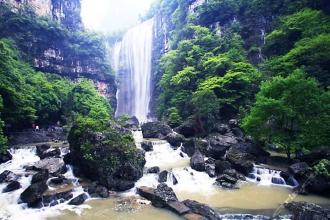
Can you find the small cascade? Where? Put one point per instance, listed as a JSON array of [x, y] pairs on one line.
[[266, 176], [10, 206], [292, 181]]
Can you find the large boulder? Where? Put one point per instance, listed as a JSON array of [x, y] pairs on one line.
[[307, 211], [187, 128], [42, 148], [110, 157], [33, 194], [197, 161], [191, 145], [159, 197], [174, 139], [151, 129], [313, 157], [178, 208], [42, 175], [51, 153], [55, 166], [298, 169], [238, 162], [201, 209]]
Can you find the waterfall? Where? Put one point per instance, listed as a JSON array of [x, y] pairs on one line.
[[132, 61]]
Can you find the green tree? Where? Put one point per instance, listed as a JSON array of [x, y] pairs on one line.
[[3, 139], [290, 112]]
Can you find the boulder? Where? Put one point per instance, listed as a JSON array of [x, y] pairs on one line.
[[187, 128], [67, 158], [133, 123], [110, 157], [160, 196], [298, 169], [174, 139], [102, 191], [55, 166], [42, 175], [201, 209], [197, 161], [51, 153], [210, 170], [147, 146], [238, 162], [14, 185], [226, 178], [8, 176], [316, 183], [52, 198], [162, 178], [178, 208], [5, 157], [190, 146], [33, 194], [222, 166], [57, 181], [151, 129], [40, 149], [153, 170], [78, 200], [307, 211]]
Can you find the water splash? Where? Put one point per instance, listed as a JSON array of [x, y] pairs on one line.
[[132, 61]]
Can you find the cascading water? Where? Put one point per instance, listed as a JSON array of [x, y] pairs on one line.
[[132, 61]]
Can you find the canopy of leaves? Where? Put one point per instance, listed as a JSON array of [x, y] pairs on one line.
[[290, 112]]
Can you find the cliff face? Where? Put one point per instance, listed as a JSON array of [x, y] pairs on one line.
[[54, 49]]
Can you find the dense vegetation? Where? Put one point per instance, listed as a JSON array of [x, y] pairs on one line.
[[30, 96], [220, 65]]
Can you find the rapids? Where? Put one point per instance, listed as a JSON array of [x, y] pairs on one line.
[[253, 197]]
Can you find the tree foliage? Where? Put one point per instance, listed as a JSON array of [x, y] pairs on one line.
[[290, 112]]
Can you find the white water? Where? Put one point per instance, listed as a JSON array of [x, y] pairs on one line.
[[9, 202], [132, 61]]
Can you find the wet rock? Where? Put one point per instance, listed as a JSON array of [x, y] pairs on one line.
[[300, 190], [42, 148], [55, 166], [201, 209], [162, 178], [153, 170], [226, 178], [159, 197], [190, 146], [5, 157], [147, 146], [237, 132], [187, 128], [123, 185], [56, 181], [307, 211], [14, 185], [51, 153], [53, 198], [8, 176], [41, 176], [67, 158], [78, 200], [128, 172], [210, 170], [238, 163], [175, 181], [150, 129], [233, 123], [174, 139], [298, 169], [197, 161], [102, 192], [33, 194], [222, 166], [315, 156], [178, 208]]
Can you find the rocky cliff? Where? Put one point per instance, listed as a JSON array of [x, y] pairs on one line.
[[51, 36]]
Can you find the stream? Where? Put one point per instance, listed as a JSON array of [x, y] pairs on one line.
[[253, 197]]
